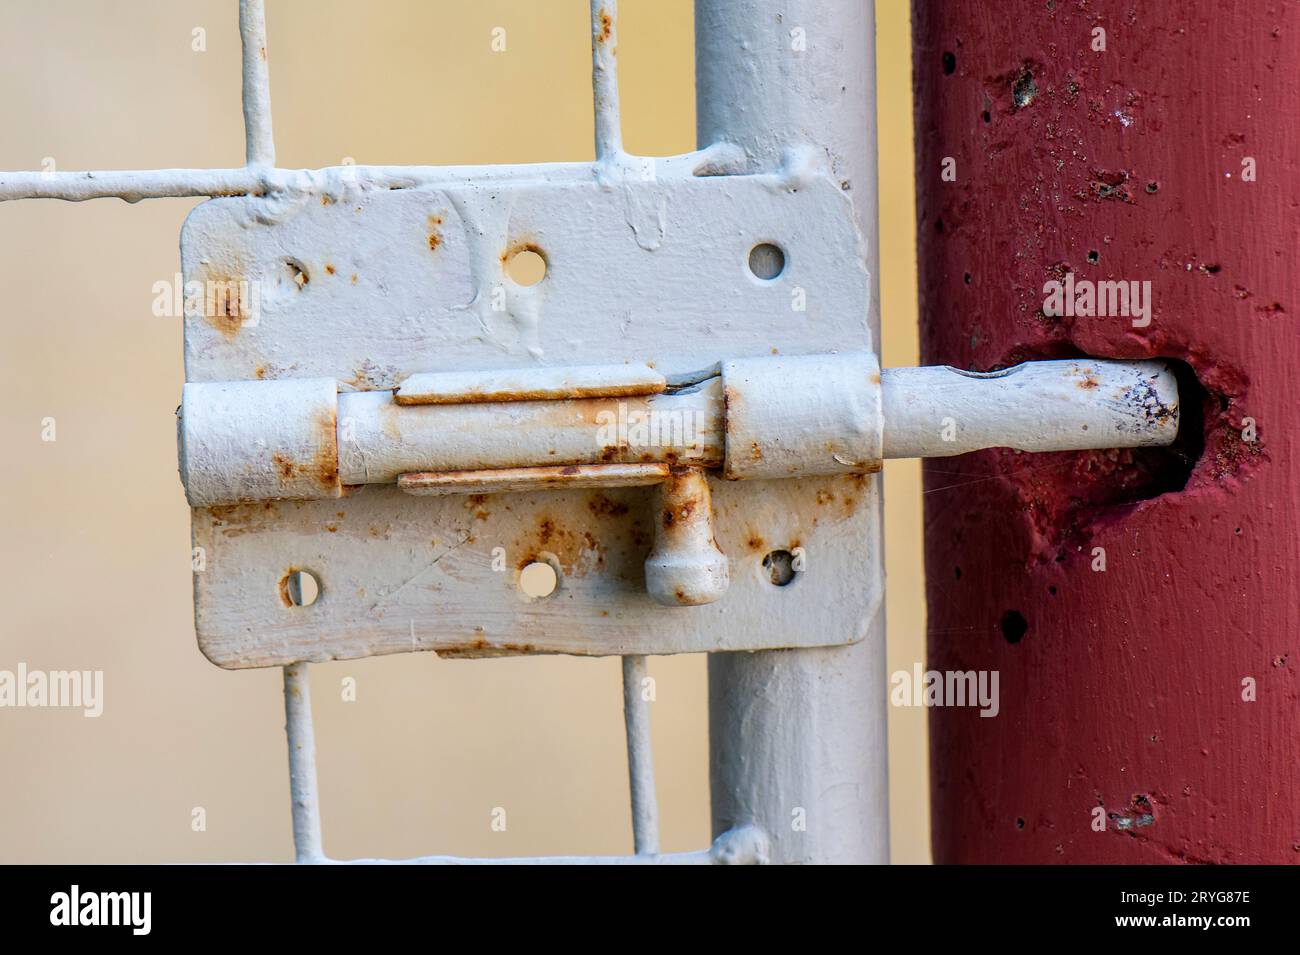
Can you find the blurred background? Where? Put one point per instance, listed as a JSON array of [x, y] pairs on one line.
[[95, 563]]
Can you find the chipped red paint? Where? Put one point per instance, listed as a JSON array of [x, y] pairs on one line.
[[1120, 689]]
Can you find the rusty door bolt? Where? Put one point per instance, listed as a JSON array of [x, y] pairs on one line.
[[685, 568]]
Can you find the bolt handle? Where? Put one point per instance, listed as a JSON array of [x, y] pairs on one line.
[[685, 568]]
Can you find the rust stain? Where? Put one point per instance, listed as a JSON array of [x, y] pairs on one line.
[[223, 305], [368, 376], [522, 245], [475, 503], [284, 586], [329, 269], [435, 232], [551, 542], [731, 404], [606, 26], [235, 520], [603, 506], [585, 409], [681, 512], [325, 466]]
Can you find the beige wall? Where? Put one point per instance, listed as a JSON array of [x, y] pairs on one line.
[[94, 568]]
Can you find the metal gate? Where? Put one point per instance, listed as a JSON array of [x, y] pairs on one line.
[[366, 385]]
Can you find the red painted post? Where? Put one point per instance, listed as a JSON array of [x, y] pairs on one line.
[[1141, 607]]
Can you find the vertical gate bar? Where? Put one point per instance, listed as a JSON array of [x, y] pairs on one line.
[[640, 759], [797, 738], [302, 764], [259, 142], [259, 149], [604, 77], [636, 711]]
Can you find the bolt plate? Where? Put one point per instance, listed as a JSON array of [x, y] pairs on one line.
[[370, 286]]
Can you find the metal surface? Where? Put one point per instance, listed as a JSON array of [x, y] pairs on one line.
[[1071, 405], [250, 441], [283, 190], [553, 478], [640, 757], [303, 793], [793, 417], [782, 417], [731, 285], [530, 384], [797, 738], [745, 845], [809, 416], [426, 267], [685, 568]]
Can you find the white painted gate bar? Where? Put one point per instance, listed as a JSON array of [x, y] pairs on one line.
[[797, 738]]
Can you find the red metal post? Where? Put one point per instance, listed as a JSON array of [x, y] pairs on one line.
[[1140, 606]]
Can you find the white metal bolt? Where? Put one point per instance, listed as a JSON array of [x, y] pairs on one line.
[[685, 568]]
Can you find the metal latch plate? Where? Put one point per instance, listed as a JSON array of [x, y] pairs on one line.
[[372, 286]]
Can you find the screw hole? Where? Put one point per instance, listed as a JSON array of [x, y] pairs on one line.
[[297, 273], [1014, 626], [299, 588], [780, 568], [766, 261], [949, 63], [538, 580], [526, 267]]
